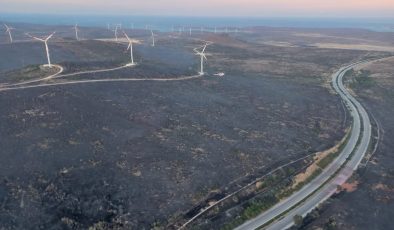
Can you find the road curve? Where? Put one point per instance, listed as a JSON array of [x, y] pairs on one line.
[[324, 185], [101, 81], [61, 69]]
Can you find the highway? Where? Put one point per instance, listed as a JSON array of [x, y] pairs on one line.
[[324, 185]]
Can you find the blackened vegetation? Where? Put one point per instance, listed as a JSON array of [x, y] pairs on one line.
[[143, 154]]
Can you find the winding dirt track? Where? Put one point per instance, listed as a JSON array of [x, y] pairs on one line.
[[27, 84], [61, 69]]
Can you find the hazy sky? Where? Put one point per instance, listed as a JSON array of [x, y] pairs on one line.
[[262, 8]]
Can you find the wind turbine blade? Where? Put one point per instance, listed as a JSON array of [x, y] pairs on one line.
[[124, 33], [128, 47], [203, 50], [36, 38], [49, 37]]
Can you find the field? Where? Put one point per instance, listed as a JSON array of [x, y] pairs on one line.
[[142, 154]]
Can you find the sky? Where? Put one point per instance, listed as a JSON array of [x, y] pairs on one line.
[[220, 8]]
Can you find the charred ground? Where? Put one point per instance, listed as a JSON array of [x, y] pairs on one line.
[[138, 154]]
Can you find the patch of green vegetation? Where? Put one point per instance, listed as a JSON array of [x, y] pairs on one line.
[[253, 209], [361, 78], [327, 160], [298, 220], [28, 73]]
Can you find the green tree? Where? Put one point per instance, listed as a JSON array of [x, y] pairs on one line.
[[298, 220]]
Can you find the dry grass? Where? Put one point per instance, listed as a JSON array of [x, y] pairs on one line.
[[350, 187], [302, 177]]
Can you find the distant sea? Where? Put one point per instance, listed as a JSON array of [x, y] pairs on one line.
[[167, 23]]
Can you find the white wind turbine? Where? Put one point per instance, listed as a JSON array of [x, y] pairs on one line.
[[8, 30], [46, 46], [76, 32], [116, 33], [202, 56], [130, 47]]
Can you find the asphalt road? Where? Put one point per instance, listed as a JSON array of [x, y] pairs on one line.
[[312, 194]]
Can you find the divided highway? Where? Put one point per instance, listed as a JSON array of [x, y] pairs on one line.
[[324, 185]]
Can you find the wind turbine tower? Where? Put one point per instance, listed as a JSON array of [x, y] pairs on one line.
[[153, 38], [130, 47], [46, 46], [116, 33], [76, 32], [202, 57], [8, 30]]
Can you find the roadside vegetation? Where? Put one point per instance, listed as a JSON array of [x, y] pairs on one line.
[[360, 78]]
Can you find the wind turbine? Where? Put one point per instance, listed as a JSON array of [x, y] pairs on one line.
[[130, 47], [76, 32], [116, 33], [46, 46], [202, 56], [8, 30], [190, 31], [153, 38]]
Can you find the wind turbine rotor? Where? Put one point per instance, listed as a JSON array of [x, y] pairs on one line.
[[45, 41]]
